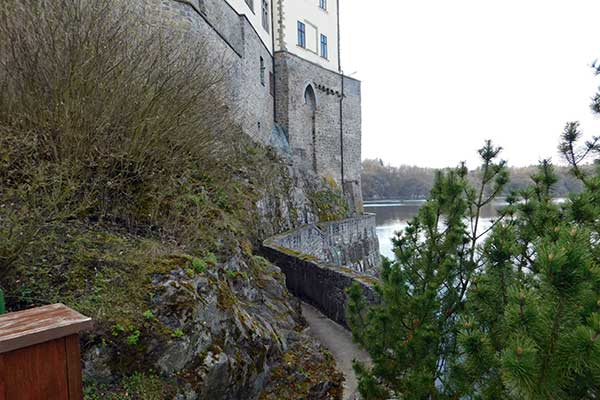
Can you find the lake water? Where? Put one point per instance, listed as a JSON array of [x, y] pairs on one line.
[[394, 216]]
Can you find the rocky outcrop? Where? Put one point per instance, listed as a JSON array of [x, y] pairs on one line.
[[226, 330], [294, 197], [232, 328]]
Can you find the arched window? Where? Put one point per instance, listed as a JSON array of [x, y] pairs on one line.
[[310, 98]]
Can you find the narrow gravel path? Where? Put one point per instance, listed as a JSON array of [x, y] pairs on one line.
[[339, 342]]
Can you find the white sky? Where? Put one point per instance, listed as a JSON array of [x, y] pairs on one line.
[[441, 76]]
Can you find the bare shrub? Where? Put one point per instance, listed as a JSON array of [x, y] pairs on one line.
[[100, 111], [104, 116]]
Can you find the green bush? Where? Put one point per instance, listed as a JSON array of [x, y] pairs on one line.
[[199, 265], [514, 316]]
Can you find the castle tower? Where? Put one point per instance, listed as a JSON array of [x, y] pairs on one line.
[[317, 106]]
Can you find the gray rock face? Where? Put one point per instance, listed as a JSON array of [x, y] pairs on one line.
[[230, 327], [288, 206], [96, 365], [233, 331]]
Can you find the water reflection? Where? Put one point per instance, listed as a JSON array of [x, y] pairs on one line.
[[394, 216]]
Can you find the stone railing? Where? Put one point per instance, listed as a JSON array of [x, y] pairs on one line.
[[313, 260], [352, 243]]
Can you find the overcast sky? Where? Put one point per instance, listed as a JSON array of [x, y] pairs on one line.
[[441, 76]]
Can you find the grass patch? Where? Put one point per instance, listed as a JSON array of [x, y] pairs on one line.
[[138, 386], [330, 204]]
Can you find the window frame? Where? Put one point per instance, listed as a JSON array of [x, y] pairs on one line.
[[301, 34], [265, 15], [262, 71], [324, 47], [323, 5]]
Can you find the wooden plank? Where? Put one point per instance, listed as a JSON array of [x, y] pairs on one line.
[[37, 372], [26, 328], [74, 377], [2, 385]]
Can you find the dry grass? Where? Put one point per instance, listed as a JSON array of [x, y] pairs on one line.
[[100, 114], [102, 117], [114, 110]]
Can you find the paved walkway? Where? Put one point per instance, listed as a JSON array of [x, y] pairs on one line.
[[339, 342]]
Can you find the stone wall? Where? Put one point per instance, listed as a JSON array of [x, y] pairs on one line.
[[322, 149], [351, 243], [321, 261], [318, 283], [352, 125], [234, 48]]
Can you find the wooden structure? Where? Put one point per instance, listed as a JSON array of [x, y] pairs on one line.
[[39, 354]]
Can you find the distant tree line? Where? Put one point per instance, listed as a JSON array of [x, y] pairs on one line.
[[383, 182]]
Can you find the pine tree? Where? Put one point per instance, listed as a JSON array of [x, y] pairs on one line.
[[510, 311]]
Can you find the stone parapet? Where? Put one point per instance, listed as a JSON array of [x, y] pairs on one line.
[[352, 243], [321, 261]]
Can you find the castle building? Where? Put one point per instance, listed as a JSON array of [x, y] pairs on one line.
[[285, 77]]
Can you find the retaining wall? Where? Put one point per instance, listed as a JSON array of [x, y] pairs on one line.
[[303, 257]]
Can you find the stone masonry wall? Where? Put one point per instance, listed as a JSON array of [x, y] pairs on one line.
[[318, 283], [293, 76], [321, 262], [351, 243], [352, 116], [234, 48]]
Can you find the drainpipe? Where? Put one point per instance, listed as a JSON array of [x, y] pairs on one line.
[[273, 58], [342, 98], [342, 132]]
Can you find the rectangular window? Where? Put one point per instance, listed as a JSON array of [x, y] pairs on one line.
[[301, 34], [265, 15], [271, 84], [324, 50], [323, 4], [250, 4], [262, 71]]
